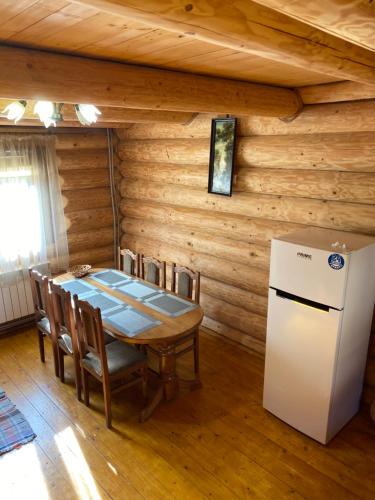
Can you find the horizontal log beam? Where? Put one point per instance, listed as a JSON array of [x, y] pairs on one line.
[[84, 220], [69, 160], [228, 332], [88, 140], [243, 276], [84, 179], [321, 213], [240, 227], [344, 151], [195, 241], [342, 186], [86, 199], [336, 92], [356, 116], [247, 27], [245, 321], [72, 79], [85, 240], [91, 256], [110, 116], [351, 20], [235, 296]]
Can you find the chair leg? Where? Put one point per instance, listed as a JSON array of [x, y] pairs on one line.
[[144, 381], [107, 405], [61, 365], [77, 375], [196, 356], [85, 383], [56, 361], [41, 346]]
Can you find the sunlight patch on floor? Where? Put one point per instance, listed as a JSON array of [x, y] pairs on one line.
[[112, 468], [76, 465], [22, 475]]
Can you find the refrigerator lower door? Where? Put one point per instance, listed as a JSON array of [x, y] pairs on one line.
[[301, 348]]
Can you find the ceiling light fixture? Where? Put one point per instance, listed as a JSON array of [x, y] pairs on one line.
[[87, 114], [49, 112], [15, 110]]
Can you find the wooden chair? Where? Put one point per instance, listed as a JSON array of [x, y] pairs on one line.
[[107, 363], [186, 283], [65, 331], [40, 293], [128, 261], [153, 270]]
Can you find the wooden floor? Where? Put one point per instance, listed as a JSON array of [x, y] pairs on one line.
[[216, 442]]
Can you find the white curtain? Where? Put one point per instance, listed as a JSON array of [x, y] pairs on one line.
[[32, 225]]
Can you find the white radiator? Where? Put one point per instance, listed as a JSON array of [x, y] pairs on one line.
[[16, 303]]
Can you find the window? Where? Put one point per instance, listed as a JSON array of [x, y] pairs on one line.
[[32, 227]]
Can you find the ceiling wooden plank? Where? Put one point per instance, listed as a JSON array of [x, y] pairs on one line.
[[38, 75], [112, 115], [352, 20], [248, 27], [336, 92]]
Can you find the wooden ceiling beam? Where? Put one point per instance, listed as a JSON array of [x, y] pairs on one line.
[[336, 92], [112, 117], [352, 20], [39, 75], [248, 27]]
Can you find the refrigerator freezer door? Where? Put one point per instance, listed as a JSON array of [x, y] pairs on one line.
[[314, 274], [300, 363]]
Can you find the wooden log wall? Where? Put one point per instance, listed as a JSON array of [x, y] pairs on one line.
[[83, 168], [316, 170]]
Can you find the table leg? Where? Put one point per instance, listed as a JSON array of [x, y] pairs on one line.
[[168, 375], [168, 380]]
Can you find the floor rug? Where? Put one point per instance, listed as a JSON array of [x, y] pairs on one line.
[[14, 428]]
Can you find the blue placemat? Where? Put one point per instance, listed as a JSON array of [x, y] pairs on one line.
[[169, 304], [138, 290], [104, 301], [130, 321], [110, 277], [79, 287]]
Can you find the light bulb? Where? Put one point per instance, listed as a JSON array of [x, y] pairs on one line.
[[15, 110], [87, 114], [45, 110]]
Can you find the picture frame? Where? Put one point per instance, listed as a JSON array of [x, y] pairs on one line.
[[222, 150]]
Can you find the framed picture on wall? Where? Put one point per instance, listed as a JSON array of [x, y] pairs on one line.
[[223, 137]]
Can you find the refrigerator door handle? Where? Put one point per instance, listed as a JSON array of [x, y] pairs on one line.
[[302, 300]]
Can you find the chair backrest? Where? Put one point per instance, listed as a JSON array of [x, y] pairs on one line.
[[62, 311], [186, 282], [153, 270], [40, 293], [128, 261], [90, 331]]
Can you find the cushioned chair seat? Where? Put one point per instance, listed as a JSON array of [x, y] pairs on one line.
[[44, 325], [119, 356], [65, 341]]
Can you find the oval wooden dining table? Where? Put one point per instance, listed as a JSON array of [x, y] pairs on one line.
[[163, 336]]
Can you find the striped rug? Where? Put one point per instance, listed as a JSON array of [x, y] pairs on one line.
[[14, 428]]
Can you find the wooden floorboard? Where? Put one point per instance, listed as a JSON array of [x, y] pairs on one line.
[[216, 442]]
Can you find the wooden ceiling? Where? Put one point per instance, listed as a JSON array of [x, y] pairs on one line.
[[207, 56], [76, 28]]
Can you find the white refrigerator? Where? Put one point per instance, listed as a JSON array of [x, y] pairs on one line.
[[321, 301]]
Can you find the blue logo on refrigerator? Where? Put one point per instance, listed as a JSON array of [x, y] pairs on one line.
[[336, 261]]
